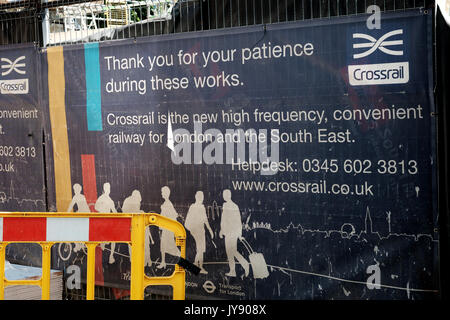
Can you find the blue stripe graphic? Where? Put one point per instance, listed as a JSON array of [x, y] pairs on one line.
[[93, 87]]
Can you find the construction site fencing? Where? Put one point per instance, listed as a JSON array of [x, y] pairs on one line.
[[51, 23], [57, 22]]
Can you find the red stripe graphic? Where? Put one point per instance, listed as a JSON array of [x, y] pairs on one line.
[[24, 229], [89, 180], [110, 229], [90, 192]]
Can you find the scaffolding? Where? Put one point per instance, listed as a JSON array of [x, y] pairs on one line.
[[96, 19]]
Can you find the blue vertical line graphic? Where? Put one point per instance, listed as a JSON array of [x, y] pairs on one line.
[[93, 87]]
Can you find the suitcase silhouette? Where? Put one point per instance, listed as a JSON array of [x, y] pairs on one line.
[[257, 261]]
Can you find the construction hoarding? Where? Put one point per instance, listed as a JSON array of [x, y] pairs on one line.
[[299, 156]]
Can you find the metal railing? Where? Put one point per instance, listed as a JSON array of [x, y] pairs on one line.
[[57, 22], [49, 228]]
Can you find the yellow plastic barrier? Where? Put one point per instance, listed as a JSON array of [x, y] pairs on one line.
[[139, 281], [44, 228]]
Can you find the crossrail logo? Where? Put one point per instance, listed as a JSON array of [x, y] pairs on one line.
[[380, 44], [388, 44], [11, 67]]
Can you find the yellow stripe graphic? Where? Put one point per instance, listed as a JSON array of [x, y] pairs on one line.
[[57, 108]]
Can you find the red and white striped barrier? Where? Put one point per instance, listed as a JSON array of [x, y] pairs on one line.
[[63, 229]]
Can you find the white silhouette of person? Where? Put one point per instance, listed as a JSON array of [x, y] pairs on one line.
[[168, 244], [104, 204], [231, 229], [78, 200], [132, 204], [195, 222]]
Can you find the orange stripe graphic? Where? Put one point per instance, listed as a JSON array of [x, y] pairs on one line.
[[57, 108]]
